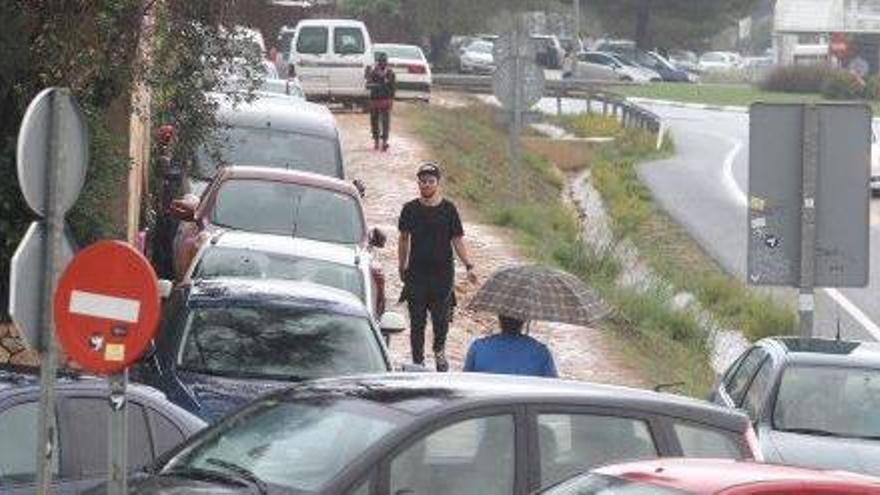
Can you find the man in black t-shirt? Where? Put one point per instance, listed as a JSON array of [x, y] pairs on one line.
[[430, 229]]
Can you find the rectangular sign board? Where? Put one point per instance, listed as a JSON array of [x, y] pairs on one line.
[[776, 156]]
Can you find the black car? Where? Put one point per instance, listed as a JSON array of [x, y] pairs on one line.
[[440, 434], [815, 402], [224, 341], [155, 426]]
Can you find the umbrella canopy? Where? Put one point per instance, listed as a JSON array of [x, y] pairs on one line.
[[536, 292]]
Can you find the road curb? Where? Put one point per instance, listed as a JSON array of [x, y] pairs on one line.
[[694, 106]]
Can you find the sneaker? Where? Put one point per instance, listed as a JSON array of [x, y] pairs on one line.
[[440, 360], [385, 146], [375, 144]]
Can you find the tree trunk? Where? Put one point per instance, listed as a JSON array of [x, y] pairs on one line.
[[643, 19], [439, 45]]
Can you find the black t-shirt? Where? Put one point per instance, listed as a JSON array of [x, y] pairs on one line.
[[431, 229]]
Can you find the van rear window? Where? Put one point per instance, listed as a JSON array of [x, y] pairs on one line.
[[312, 39], [348, 41]]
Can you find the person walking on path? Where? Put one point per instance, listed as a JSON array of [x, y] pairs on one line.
[[430, 229], [382, 84], [510, 352]]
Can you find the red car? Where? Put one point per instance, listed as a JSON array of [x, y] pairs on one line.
[[278, 202], [713, 476]]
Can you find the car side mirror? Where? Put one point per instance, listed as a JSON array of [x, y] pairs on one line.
[[377, 238], [361, 188], [391, 323], [184, 208], [165, 288]]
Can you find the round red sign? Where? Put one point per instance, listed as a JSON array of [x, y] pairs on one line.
[[106, 306]]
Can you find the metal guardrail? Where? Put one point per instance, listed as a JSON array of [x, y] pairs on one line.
[[613, 104]]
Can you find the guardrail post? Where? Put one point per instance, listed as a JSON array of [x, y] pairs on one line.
[[558, 103], [624, 116]]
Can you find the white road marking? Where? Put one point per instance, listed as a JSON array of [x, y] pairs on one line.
[[101, 306], [855, 312], [727, 167]]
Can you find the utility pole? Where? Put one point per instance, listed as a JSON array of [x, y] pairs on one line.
[[577, 20]]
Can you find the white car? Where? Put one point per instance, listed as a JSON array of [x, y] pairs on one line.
[[477, 57], [608, 67], [411, 69], [717, 62], [242, 254]]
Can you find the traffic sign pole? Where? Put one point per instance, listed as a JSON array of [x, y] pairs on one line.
[[806, 297], [117, 453], [47, 424]]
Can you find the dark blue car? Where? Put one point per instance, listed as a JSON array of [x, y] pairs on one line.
[[225, 341], [155, 426]]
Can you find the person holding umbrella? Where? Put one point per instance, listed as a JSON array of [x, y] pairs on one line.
[[527, 293], [510, 352]]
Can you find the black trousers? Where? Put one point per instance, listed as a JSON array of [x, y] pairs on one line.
[[380, 121], [424, 297]]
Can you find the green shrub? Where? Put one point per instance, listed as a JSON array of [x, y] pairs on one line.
[[842, 85], [872, 88], [798, 78]]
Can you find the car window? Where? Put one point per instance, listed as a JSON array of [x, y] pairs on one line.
[[348, 41], [268, 147], [220, 261], [166, 435], [362, 489], [741, 378], [279, 341], [760, 383], [471, 456], [312, 40], [285, 208], [700, 441], [298, 445], [18, 436], [571, 443], [89, 418]]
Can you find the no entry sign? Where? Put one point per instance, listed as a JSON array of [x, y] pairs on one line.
[[107, 306]]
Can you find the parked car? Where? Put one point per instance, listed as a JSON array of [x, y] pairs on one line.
[[443, 434], [713, 477], [717, 62], [411, 69], [270, 132], [667, 71], [548, 51], [155, 425], [224, 341], [330, 56], [610, 66], [272, 201], [875, 164], [814, 402], [263, 256], [477, 57], [685, 60]]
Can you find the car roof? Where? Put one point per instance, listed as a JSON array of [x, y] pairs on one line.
[[712, 475], [230, 291], [330, 22], [434, 393], [287, 245], [289, 176], [285, 115], [826, 351]]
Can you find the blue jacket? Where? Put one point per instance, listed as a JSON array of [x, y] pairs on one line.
[[510, 354]]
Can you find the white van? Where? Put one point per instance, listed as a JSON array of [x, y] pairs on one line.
[[330, 56]]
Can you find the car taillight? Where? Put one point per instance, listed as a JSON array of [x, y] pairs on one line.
[[416, 69], [752, 442]]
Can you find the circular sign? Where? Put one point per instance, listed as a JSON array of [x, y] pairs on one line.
[[106, 306], [531, 83], [52, 111]]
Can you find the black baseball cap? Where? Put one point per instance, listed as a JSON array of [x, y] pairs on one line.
[[429, 168]]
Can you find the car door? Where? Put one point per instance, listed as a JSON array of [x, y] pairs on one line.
[[565, 440], [350, 54], [474, 452], [311, 50], [18, 454], [597, 66]]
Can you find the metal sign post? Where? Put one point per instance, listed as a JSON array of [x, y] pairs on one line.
[[117, 452], [806, 297]]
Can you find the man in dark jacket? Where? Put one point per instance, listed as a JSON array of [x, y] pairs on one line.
[[381, 82]]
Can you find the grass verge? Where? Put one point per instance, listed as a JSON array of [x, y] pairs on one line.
[[669, 249], [473, 150]]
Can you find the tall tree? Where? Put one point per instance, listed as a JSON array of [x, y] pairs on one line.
[[669, 23]]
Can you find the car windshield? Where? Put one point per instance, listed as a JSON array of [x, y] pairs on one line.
[[480, 47], [284, 208], [713, 57], [221, 261], [600, 484], [406, 52], [279, 342], [829, 400], [268, 147], [293, 445]]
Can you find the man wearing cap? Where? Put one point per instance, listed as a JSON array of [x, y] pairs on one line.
[[382, 84], [430, 229]]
